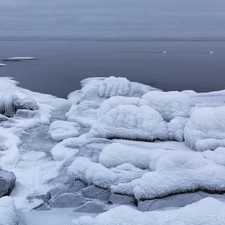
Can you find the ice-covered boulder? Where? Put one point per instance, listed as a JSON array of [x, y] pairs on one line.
[[60, 130], [7, 182], [113, 102], [7, 212], [96, 90], [206, 129], [131, 122], [169, 104], [10, 103], [206, 211], [181, 172]]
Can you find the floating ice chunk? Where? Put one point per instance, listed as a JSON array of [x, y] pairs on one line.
[[2, 65], [169, 104], [116, 154], [113, 102], [19, 58], [178, 173], [7, 212], [92, 173], [131, 122], [60, 130], [206, 129], [114, 86], [206, 211]]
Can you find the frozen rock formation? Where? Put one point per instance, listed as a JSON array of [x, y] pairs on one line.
[[206, 129]]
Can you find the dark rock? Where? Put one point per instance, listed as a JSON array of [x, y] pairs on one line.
[[179, 200], [75, 186], [121, 199], [45, 197], [7, 182], [96, 192], [91, 207], [67, 200], [43, 206]]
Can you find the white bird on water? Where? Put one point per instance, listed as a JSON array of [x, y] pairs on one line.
[[211, 52]]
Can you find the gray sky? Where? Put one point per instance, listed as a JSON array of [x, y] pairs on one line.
[[113, 18]]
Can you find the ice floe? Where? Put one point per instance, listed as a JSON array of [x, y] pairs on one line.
[[19, 58]]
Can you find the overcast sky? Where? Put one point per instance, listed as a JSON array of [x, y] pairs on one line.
[[113, 18]]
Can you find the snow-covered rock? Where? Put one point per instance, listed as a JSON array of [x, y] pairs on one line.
[[117, 154], [60, 130], [131, 122], [181, 172], [7, 212], [7, 182], [169, 104], [93, 173], [206, 129], [91, 207], [113, 102], [207, 211], [95, 192]]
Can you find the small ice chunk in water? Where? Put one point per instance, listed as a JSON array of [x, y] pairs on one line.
[[19, 58]]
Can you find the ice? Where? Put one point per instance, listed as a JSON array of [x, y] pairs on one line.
[[206, 211], [206, 129], [170, 104], [7, 211], [64, 149], [131, 122], [2, 65], [60, 130], [19, 58]]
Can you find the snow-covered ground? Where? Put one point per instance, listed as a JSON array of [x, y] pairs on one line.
[[113, 143]]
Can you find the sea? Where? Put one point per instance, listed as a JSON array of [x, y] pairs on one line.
[[168, 64]]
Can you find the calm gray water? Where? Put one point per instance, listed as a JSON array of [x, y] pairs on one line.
[[62, 64]]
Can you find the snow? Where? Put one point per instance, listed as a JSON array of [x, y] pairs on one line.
[[60, 130], [206, 129], [2, 65], [131, 122], [7, 211], [170, 104], [207, 211], [140, 171]]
